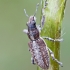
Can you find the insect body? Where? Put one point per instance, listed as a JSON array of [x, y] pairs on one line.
[[40, 55], [37, 46]]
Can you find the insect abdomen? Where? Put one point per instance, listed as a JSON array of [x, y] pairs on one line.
[[39, 53]]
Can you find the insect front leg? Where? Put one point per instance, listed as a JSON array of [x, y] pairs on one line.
[[43, 14], [40, 27], [52, 55], [25, 31], [51, 39]]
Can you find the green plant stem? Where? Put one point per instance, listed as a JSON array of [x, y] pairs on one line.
[[54, 14]]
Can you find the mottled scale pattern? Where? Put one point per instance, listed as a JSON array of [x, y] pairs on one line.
[[39, 53], [33, 33]]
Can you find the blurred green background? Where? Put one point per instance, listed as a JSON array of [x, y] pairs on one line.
[[14, 54]]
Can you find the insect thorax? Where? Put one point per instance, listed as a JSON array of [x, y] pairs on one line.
[[33, 34]]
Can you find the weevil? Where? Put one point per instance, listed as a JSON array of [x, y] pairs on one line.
[[38, 48]]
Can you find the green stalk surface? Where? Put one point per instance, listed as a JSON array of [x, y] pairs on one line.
[[54, 13]]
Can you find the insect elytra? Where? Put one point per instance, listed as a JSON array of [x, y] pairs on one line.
[[39, 53], [37, 46]]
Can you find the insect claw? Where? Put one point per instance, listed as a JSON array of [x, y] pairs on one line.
[[61, 64]]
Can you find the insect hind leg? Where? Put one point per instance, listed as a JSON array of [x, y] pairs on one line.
[[33, 61], [52, 55]]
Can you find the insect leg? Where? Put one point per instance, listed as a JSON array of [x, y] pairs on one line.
[[48, 38], [42, 21], [32, 60], [25, 31], [39, 28], [52, 55], [43, 15]]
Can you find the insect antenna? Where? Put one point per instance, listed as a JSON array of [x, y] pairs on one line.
[[25, 13], [36, 9]]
